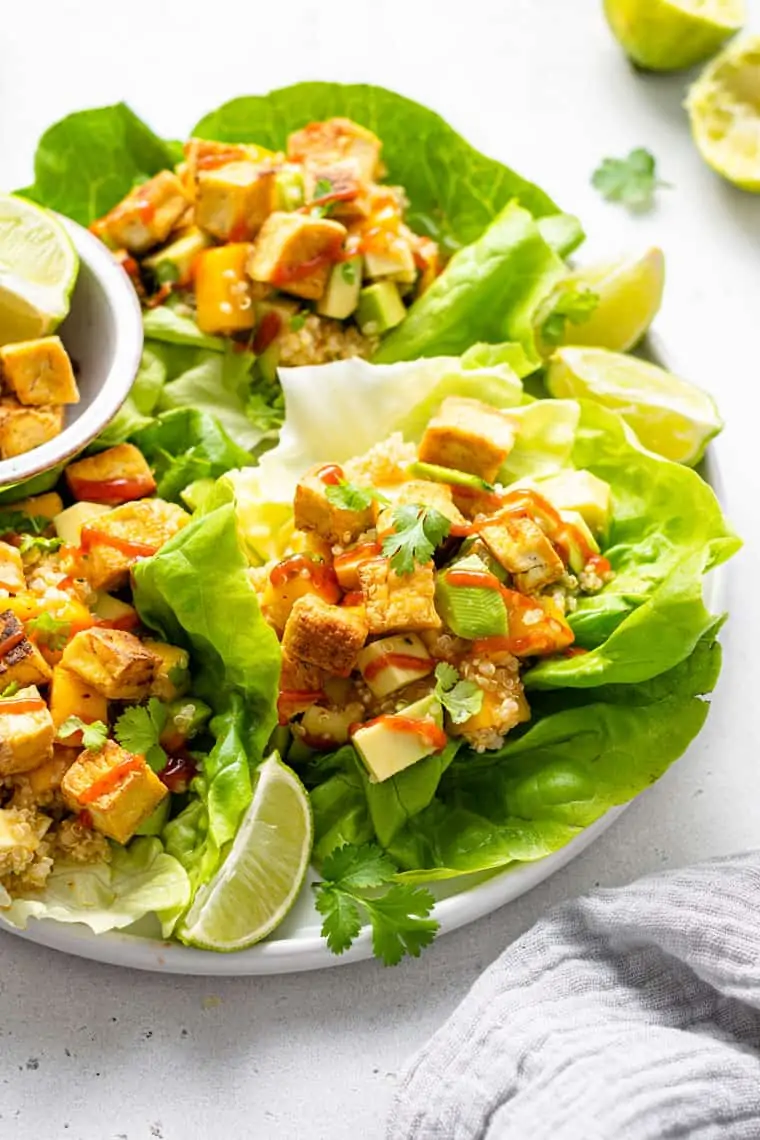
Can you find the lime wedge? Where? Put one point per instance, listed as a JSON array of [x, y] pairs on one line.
[[258, 882], [667, 35], [629, 295], [724, 107], [670, 416], [38, 270]]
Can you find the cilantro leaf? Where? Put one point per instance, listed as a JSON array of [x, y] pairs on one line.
[[631, 180], [39, 543], [358, 883], [94, 734], [50, 631], [417, 532], [10, 690], [322, 189], [18, 522], [461, 699], [573, 305], [297, 321], [351, 497], [139, 728]]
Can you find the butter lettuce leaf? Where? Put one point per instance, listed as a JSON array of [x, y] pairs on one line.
[[183, 445]]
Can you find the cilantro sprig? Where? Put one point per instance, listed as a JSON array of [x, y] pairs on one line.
[[50, 631], [323, 188], [461, 699], [18, 522], [573, 305], [417, 531], [631, 181], [139, 728], [39, 544], [352, 497], [94, 734], [358, 886]]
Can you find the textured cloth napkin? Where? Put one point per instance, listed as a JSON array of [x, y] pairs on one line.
[[627, 1015]]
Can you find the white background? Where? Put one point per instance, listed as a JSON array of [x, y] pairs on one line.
[[93, 1053]]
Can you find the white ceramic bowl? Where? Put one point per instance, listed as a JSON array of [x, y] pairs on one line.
[[103, 335]]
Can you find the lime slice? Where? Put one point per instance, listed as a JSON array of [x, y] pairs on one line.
[[667, 35], [670, 416], [629, 292], [724, 107], [38, 270], [258, 882]]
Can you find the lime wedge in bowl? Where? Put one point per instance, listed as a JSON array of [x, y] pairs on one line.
[[724, 108], [626, 295], [38, 270], [259, 880], [668, 35], [671, 417]]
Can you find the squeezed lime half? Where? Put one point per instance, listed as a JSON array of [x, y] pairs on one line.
[[668, 35], [724, 108]]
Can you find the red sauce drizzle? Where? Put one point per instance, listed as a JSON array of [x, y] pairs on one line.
[[125, 622], [91, 536], [428, 730], [599, 564], [113, 490], [286, 274], [331, 475], [111, 779], [290, 702], [396, 661], [353, 598], [319, 574], [269, 328], [22, 705]]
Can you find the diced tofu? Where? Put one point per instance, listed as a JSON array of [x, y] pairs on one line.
[[21, 833], [71, 696], [233, 201], [45, 780], [205, 154], [523, 549], [323, 635], [26, 734], [112, 662], [172, 676], [39, 372], [299, 676], [11, 569], [22, 429], [117, 790], [294, 252], [398, 601], [21, 662], [429, 494], [335, 140], [148, 523], [147, 215], [393, 662], [313, 511], [116, 475], [469, 436]]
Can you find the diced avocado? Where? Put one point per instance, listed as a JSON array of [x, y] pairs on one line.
[[174, 263], [578, 540], [582, 492], [380, 308], [341, 296], [196, 494], [448, 475], [68, 524], [108, 608], [186, 717], [288, 189], [397, 263], [156, 821], [470, 611], [392, 673], [385, 751], [476, 546]]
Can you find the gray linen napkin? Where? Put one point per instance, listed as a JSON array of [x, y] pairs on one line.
[[627, 1015]]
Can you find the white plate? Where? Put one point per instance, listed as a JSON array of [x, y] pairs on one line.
[[298, 945]]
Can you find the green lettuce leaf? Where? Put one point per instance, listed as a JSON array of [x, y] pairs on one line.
[[165, 324], [220, 386], [184, 445], [139, 879], [486, 293], [88, 161]]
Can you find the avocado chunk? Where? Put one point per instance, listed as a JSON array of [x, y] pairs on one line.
[[582, 492], [476, 546], [380, 308], [470, 611], [392, 662], [341, 297], [449, 475], [186, 716], [385, 750], [577, 539], [156, 821], [397, 263], [174, 263], [288, 189]]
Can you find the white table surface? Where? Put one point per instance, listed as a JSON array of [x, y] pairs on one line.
[[92, 1053]]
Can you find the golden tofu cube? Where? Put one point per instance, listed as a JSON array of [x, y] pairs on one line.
[[295, 252], [124, 463], [22, 428], [523, 549], [336, 140], [39, 372], [147, 215], [112, 662], [425, 493], [26, 732], [397, 602], [20, 661], [314, 511], [299, 676], [117, 790], [172, 676], [205, 154], [71, 696], [45, 780], [147, 523], [468, 435], [233, 201], [329, 637], [11, 569]]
